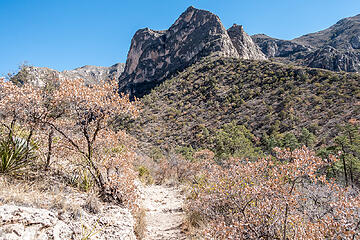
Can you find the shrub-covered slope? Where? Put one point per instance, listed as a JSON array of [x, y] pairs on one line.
[[265, 97]]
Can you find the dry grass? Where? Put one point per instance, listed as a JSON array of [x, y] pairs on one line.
[[47, 190], [193, 225], [140, 224], [92, 204]]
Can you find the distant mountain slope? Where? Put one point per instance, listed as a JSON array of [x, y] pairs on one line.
[[273, 47], [91, 74], [264, 96], [344, 35], [95, 73], [336, 48], [156, 55]]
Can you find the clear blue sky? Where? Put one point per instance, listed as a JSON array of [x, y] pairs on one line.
[[65, 34]]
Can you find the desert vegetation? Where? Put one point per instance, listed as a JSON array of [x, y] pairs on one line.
[[275, 102], [261, 150], [267, 151], [287, 197], [68, 125]]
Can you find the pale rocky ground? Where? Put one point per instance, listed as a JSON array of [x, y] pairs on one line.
[[164, 212], [48, 209], [53, 211], [29, 223]]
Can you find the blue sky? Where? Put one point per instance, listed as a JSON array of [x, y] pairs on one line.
[[65, 34]]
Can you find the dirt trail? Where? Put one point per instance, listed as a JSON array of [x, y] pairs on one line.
[[164, 212]]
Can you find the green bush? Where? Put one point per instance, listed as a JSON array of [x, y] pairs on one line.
[[235, 141], [82, 179], [186, 152], [145, 175]]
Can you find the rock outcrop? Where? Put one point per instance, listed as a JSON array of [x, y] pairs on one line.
[[91, 74], [273, 47], [19, 223], [156, 55], [336, 48], [244, 45], [95, 74], [330, 58]]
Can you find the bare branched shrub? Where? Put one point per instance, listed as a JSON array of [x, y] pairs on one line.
[[74, 121], [285, 198]]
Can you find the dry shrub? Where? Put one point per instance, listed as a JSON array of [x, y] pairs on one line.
[[73, 121], [92, 204], [285, 198], [175, 169]]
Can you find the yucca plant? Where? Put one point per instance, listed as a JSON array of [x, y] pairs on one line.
[[15, 154]]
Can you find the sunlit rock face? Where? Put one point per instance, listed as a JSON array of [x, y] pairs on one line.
[[244, 44], [155, 55], [273, 47], [94, 74]]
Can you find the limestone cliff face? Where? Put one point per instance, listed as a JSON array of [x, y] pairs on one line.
[[155, 55], [243, 43]]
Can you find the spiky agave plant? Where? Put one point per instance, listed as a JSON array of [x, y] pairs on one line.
[[15, 154]]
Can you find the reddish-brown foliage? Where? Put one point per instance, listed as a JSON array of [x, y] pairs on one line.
[[285, 198], [81, 118]]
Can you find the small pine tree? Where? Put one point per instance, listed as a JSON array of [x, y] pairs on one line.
[[307, 138]]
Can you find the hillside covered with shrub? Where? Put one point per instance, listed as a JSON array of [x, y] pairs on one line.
[[269, 101]]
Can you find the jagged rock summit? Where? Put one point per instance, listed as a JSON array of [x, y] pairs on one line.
[[155, 55], [243, 43]]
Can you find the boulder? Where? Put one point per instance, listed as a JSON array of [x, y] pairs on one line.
[[27, 223]]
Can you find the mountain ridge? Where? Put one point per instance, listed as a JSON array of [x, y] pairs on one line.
[[336, 48], [266, 97], [156, 55], [91, 74]]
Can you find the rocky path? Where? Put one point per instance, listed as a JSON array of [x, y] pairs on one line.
[[164, 212]]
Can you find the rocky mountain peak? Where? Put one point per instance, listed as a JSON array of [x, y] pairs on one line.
[[243, 43], [195, 16], [343, 35], [155, 55], [237, 28]]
